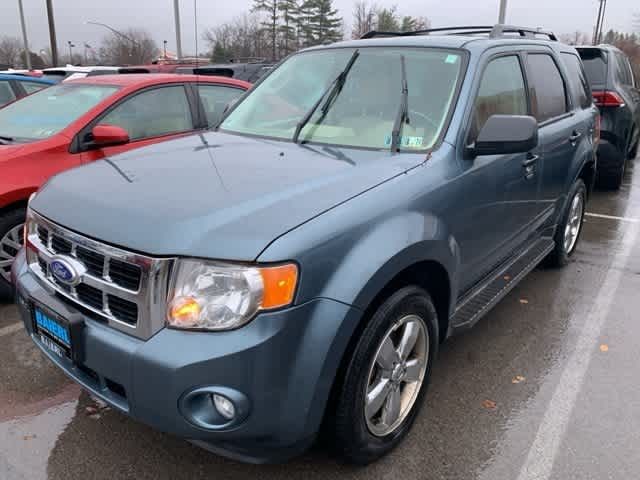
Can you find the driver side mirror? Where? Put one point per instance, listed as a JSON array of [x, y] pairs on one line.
[[504, 134], [109, 135]]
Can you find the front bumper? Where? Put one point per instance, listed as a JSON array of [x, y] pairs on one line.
[[283, 363]]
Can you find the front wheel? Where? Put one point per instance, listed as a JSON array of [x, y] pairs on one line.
[[570, 226], [386, 379], [11, 226]]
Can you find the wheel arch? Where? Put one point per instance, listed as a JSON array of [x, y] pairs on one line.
[[16, 199]]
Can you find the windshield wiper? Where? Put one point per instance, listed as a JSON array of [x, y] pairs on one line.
[[6, 139], [332, 92], [403, 111]]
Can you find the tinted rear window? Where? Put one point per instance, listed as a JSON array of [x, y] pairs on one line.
[[548, 96], [577, 79], [594, 66]]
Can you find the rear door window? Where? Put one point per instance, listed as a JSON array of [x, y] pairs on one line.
[[577, 79], [215, 99], [623, 70], [152, 113], [6, 93], [501, 92], [546, 86], [33, 87]]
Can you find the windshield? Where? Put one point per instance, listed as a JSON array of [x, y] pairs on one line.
[[48, 111], [362, 113]]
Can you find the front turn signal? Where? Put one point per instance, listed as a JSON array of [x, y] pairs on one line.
[[279, 285]]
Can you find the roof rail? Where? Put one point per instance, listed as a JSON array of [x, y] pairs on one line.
[[495, 31]]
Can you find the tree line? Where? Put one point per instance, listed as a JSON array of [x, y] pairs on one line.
[[132, 46], [271, 30]]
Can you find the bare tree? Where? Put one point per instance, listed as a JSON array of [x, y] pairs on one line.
[[10, 50], [242, 37], [133, 46], [364, 18], [576, 38]]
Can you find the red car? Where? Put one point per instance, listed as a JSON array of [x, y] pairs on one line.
[[80, 121]]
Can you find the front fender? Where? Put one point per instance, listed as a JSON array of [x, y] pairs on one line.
[[18, 195], [353, 265]]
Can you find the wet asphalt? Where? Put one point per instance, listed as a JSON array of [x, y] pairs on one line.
[[546, 386]]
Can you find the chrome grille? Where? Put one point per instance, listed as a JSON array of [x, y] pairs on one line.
[[127, 290]]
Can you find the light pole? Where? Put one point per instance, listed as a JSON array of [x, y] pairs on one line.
[[134, 43], [52, 34], [176, 14], [120, 34], [71, 45], [27, 53], [503, 12]]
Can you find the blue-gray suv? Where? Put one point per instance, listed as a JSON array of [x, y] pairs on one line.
[[294, 271]]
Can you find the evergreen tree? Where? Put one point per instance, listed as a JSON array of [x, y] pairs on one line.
[[388, 20], [271, 23], [290, 14], [322, 24]]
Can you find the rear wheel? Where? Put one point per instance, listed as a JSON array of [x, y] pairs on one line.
[[570, 226], [386, 378], [634, 151], [11, 225], [611, 179]]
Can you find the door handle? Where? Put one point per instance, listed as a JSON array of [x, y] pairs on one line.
[[529, 165], [574, 137]]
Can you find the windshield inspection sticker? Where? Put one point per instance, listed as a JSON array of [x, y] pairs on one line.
[[406, 141], [451, 59]]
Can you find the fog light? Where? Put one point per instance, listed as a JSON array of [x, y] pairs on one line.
[[224, 406]]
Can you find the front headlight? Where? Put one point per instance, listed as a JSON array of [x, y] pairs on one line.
[[220, 296]]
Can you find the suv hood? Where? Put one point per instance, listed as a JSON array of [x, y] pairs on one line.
[[211, 195]]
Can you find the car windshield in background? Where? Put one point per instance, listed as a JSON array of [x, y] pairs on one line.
[[594, 66], [363, 112], [45, 113]]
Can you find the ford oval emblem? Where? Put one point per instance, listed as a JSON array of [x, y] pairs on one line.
[[66, 269]]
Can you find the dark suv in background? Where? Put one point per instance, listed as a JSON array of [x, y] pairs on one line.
[[615, 92], [300, 266]]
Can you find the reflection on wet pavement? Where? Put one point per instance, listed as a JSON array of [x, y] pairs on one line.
[[490, 390]]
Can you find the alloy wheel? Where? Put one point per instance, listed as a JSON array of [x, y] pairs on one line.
[[574, 223], [396, 375], [10, 244]]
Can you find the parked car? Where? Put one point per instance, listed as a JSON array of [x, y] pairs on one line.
[[26, 73], [13, 87], [171, 67], [303, 263], [615, 91], [80, 121], [249, 72], [72, 72]]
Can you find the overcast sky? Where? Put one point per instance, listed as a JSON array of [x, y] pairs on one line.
[[561, 16]]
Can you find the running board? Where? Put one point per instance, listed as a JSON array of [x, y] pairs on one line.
[[474, 305]]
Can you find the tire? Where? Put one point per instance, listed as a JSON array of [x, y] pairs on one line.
[[611, 179], [563, 250], [361, 439], [10, 222], [634, 151]]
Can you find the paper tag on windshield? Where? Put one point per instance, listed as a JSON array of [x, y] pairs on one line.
[[406, 141], [451, 59]]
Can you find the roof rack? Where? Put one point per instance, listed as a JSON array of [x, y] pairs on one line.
[[495, 31]]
